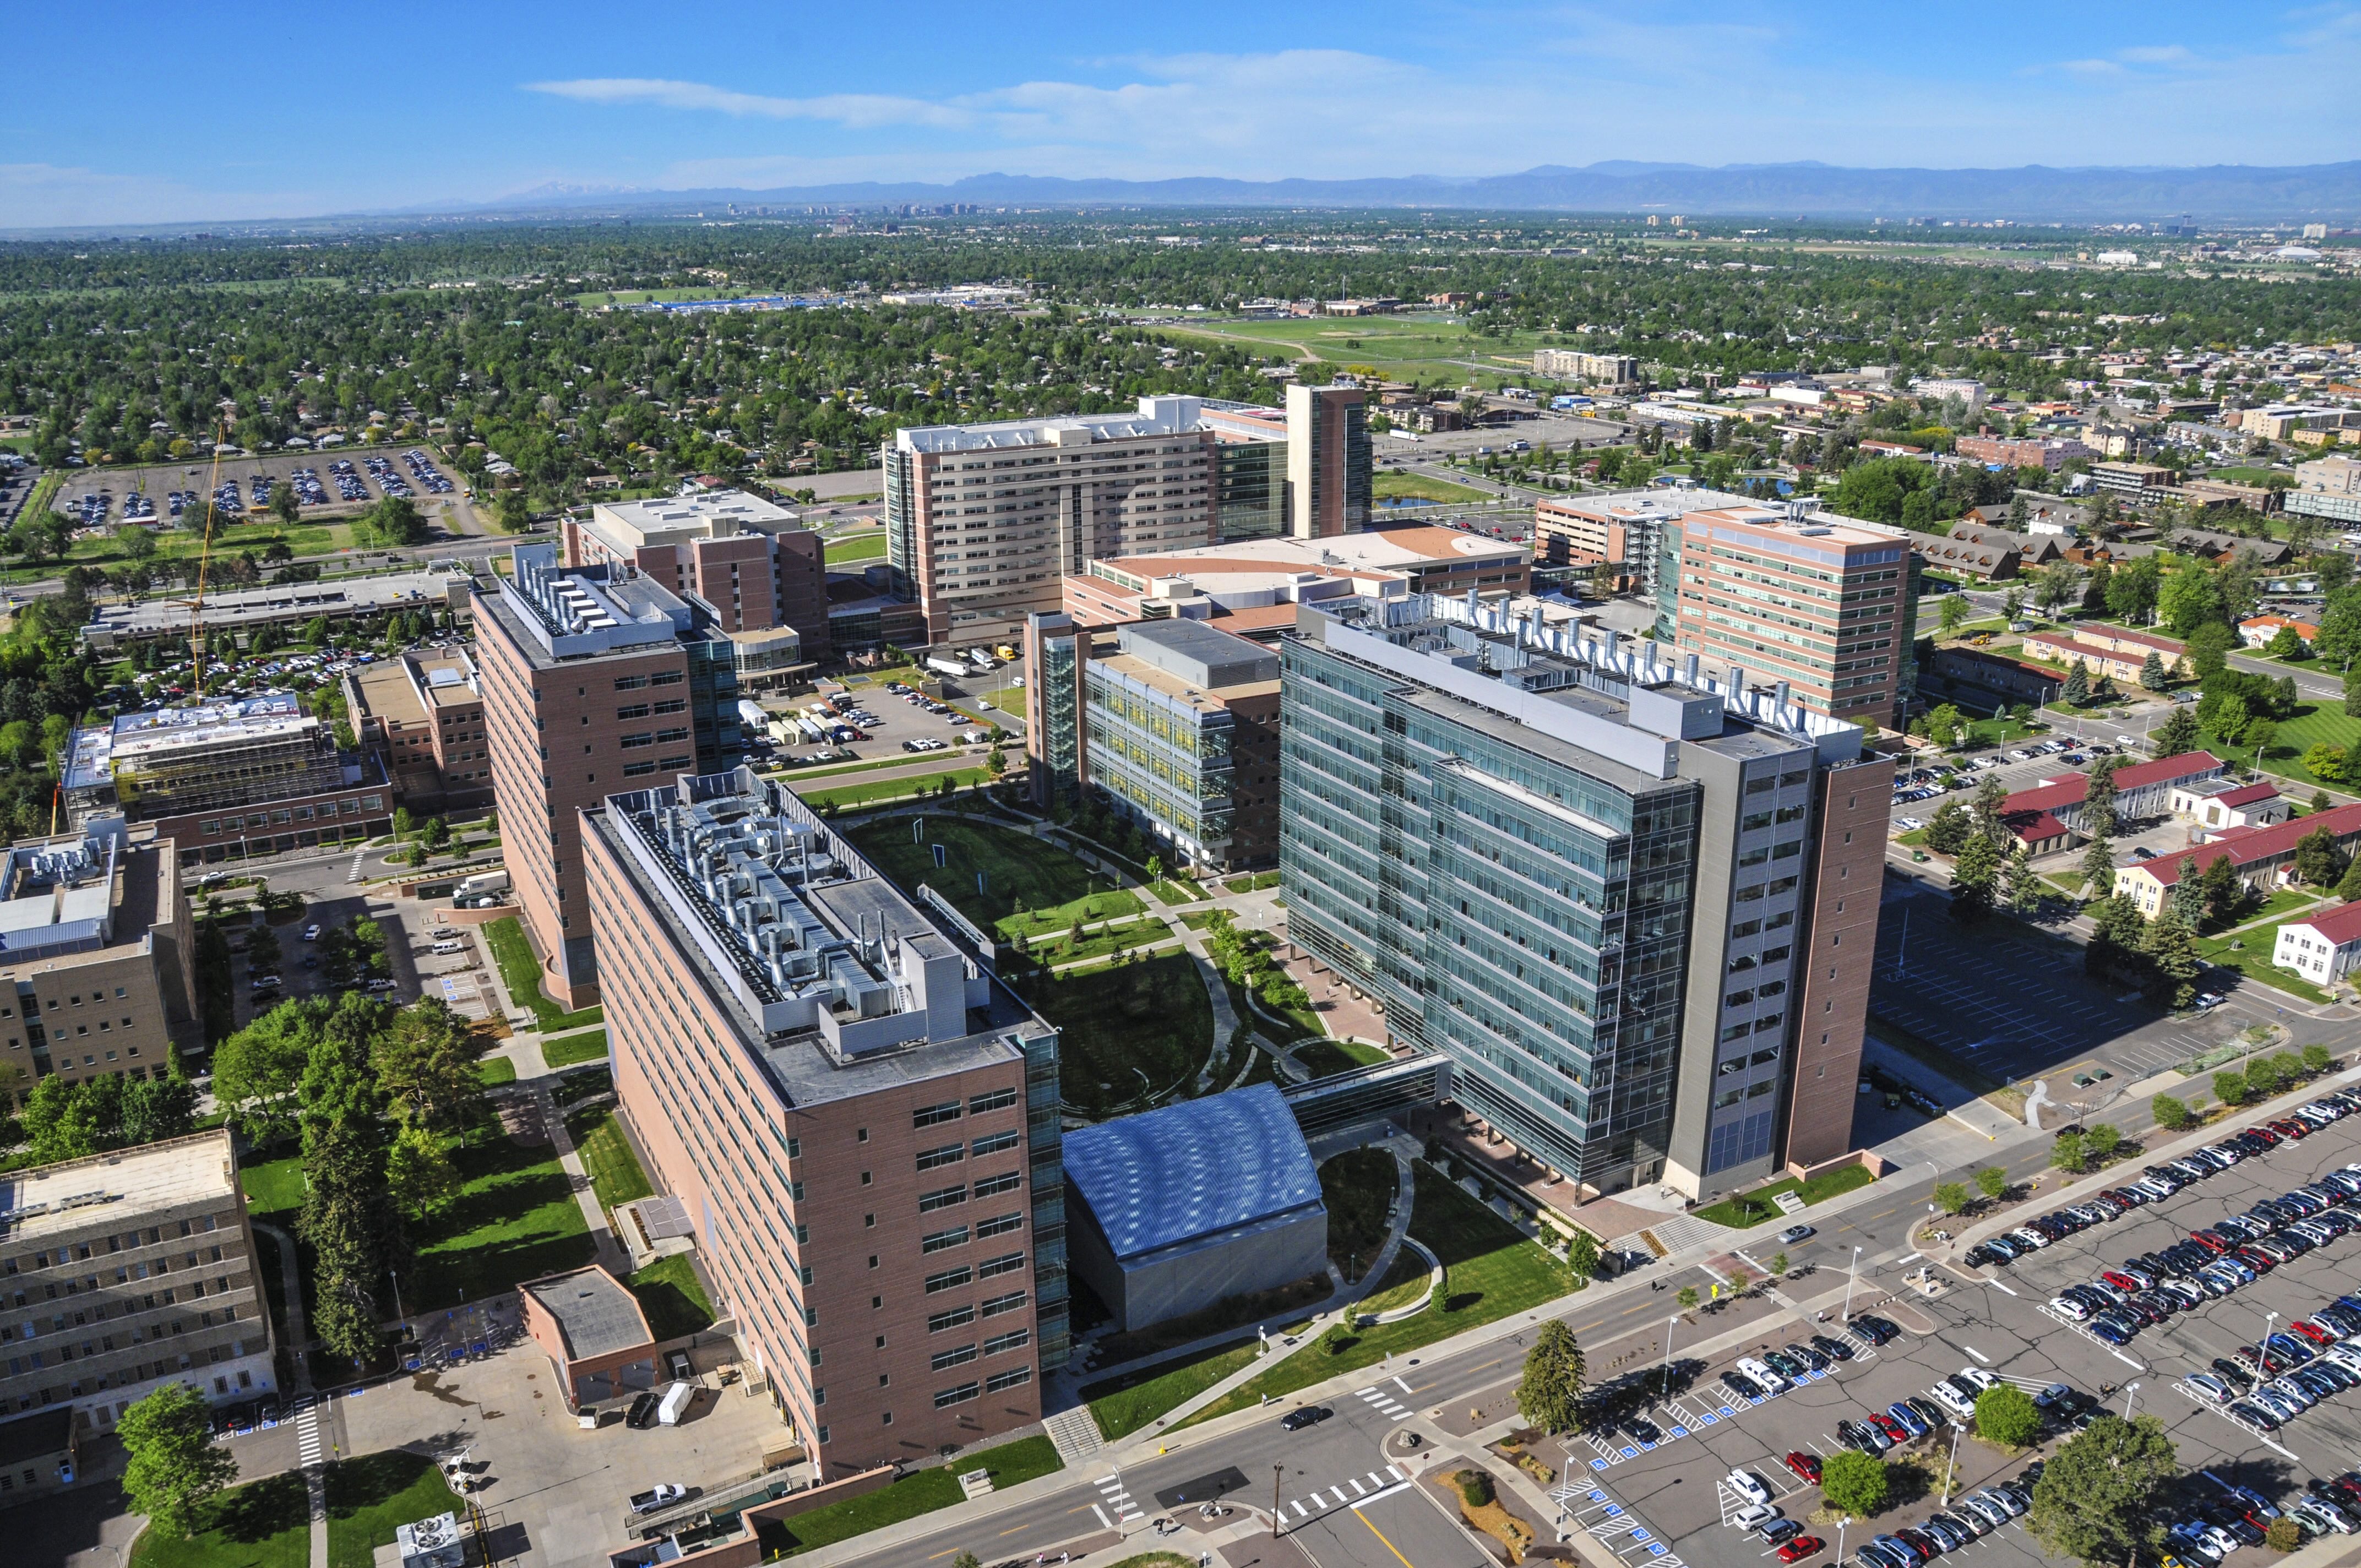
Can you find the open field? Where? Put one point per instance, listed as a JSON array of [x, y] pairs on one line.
[[1405, 348], [1018, 872], [1129, 1029]]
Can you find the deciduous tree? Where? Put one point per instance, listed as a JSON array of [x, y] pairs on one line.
[[175, 1467], [2100, 1496]]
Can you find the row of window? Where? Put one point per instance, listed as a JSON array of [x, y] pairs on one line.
[[957, 1316], [949, 1110], [1016, 1378], [349, 806]]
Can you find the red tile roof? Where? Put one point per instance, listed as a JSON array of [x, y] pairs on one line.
[[2248, 795], [2336, 926], [2244, 846], [2070, 789]]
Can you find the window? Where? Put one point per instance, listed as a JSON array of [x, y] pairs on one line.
[[950, 1319], [1015, 1378], [939, 1240], [992, 1185], [634, 743], [999, 1225], [948, 1153], [636, 770], [636, 710], [958, 1396], [942, 1198], [1015, 1340], [629, 683], [932, 1115], [665, 678], [1011, 1302], [991, 1267], [949, 1279], [994, 1100], [994, 1142], [951, 1358]]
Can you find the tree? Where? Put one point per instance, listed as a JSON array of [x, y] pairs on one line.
[[283, 505], [2151, 673], [2077, 693], [1973, 877], [2171, 950], [60, 1121], [155, 1109], [255, 1070], [1549, 1395], [2225, 889], [1954, 615], [1991, 1181], [2005, 1415], [1854, 1483], [1954, 1196], [1687, 1297], [175, 1467], [2171, 1114], [1582, 1254], [2287, 642], [2230, 1088], [2067, 1154], [2131, 592], [2021, 886], [426, 1065], [2099, 1497], [2098, 799], [2097, 868], [2352, 698], [1945, 725], [2325, 761], [2209, 650], [2176, 736], [2317, 1059], [393, 521], [419, 1174], [2317, 858], [2191, 598], [2102, 1140], [1950, 828]]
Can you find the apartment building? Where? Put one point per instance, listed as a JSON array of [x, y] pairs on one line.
[[97, 976], [1176, 721], [1575, 364], [1636, 905], [981, 520], [2328, 487], [121, 1273], [228, 781], [1824, 607], [754, 564], [592, 677], [1248, 585], [2051, 453], [423, 713], [860, 1119]]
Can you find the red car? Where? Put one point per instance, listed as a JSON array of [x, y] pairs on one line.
[[2312, 1332], [1891, 1427], [2291, 1129], [2209, 1241], [1803, 1546], [2119, 1281], [1806, 1466]]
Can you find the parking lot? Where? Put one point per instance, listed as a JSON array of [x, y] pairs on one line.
[[376, 471], [1668, 1504], [897, 720]]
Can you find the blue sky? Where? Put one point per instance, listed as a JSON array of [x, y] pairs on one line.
[[149, 113]]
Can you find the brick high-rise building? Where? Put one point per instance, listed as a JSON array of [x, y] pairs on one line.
[[1636, 907], [1820, 607], [1328, 482], [755, 564], [592, 677], [860, 1119]]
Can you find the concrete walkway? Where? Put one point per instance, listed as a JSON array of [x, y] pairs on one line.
[[315, 1482]]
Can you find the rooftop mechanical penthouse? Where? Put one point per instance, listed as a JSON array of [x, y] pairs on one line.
[[1635, 905], [861, 1120]]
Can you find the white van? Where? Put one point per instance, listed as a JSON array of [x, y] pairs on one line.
[[676, 1401]]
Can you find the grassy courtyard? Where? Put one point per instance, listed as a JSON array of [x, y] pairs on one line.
[[520, 973], [515, 1219], [1326, 1057], [1419, 487], [1127, 1028], [918, 1492], [2252, 958], [267, 1523], [607, 1157], [673, 1298], [1756, 1207], [570, 1050], [1018, 872]]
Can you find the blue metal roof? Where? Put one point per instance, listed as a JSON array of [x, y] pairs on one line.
[[1191, 1170]]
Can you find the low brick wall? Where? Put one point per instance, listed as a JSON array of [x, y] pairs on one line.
[[1872, 1163], [805, 1502]]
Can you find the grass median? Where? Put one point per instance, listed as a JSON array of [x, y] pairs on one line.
[[569, 1051], [520, 973], [918, 1492]]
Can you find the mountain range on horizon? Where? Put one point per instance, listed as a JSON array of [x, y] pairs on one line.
[[2226, 192]]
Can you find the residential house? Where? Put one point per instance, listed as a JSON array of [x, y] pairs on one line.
[[2219, 802], [2322, 947], [1993, 563], [2256, 631], [2049, 816], [2032, 550], [2107, 650]]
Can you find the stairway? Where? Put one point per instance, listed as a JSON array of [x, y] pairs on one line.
[[1074, 1432]]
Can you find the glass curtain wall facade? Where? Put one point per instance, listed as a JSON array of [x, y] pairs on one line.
[[1168, 761], [1524, 914], [1250, 478]]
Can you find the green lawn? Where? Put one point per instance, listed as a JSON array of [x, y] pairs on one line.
[[673, 1298], [1178, 890], [2282, 901], [1054, 888], [515, 1219], [1256, 882], [1419, 487], [918, 1492], [860, 547], [607, 1157], [496, 1070], [2314, 724], [2253, 959], [1357, 1187], [1755, 1207], [370, 1496], [849, 796], [1490, 1271], [520, 973], [264, 1524], [568, 1049], [1098, 942], [1123, 1405], [274, 1188], [1127, 1028], [1326, 1056], [1007, 699]]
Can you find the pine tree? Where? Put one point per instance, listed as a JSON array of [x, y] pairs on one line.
[[1549, 1395], [2097, 868], [1972, 877], [2078, 685], [2176, 736], [2151, 673], [2024, 888], [2187, 898], [2171, 948]]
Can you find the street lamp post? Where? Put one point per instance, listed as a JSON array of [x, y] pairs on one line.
[[1952, 1468], [2129, 1389], [1665, 1388], [1851, 1280], [1276, 1472]]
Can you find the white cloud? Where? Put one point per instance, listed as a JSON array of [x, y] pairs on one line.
[[2157, 54], [858, 110]]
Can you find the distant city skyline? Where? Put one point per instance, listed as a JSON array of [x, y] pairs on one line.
[[345, 113]]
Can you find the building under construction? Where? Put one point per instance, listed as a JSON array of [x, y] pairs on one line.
[[228, 780]]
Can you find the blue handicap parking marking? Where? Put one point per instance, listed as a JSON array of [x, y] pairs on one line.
[[1648, 1448], [1597, 1497], [1630, 1452], [1638, 1535], [1613, 1508], [1680, 1432], [1725, 1410], [1597, 1465], [1656, 1549], [1816, 1375]]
